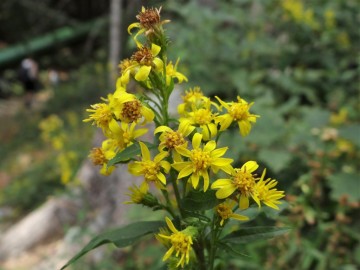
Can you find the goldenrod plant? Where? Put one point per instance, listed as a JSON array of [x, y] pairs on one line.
[[185, 173]]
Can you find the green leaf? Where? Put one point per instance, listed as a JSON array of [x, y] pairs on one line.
[[345, 184], [199, 200], [230, 249], [246, 235], [129, 153], [120, 237], [276, 159]]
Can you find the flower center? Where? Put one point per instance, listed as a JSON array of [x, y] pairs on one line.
[[101, 114], [224, 211], [173, 139], [202, 116], [239, 111], [201, 160], [244, 181], [97, 156], [180, 242], [143, 56], [131, 111], [150, 170], [149, 17]]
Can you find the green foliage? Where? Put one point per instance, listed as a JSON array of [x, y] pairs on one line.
[[199, 200], [120, 237], [250, 234]]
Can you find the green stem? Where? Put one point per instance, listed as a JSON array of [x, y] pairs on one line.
[[199, 252], [177, 194], [212, 244]]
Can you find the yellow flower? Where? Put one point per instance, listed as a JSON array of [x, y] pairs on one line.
[[236, 112], [143, 61], [151, 169], [181, 243], [127, 108], [242, 181], [121, 135], [267, 193], [194, 98], [203, 118], [171, 139], [225, 211], [137, 194], [171, 72], [201, 160], [101, 115], [101, 156], [149, 23]]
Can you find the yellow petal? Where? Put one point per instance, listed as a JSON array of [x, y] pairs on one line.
[[180, 165], [160, 156], [195, 179], [221, 162], [244, 127], [155, 49], [171, 225], [114, 127], [158, 64], [250, 166], [162, 129], [161, 178], [219, 152], [196, 140], [147, 113], [168, 253], [183, 151], [185, 171], [165, 165], [239, 217], [225, 192], [221, 183], [143, 73], [244, 202], [145, 153], [205, 175], [211, 145]]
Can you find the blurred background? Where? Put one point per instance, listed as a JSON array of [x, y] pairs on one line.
[[298, 60]]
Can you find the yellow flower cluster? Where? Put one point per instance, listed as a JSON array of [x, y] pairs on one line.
[[298, 12], [187, 156], [52, 132]]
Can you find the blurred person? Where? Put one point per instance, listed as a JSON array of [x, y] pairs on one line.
[[28, 75]]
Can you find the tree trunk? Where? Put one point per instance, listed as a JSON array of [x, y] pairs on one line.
[[114, 39]]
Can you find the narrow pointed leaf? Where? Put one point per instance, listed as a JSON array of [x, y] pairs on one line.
[[246, 235], [128, 153], [230, 249], [120, 237]]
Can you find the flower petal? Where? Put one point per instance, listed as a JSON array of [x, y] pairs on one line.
[[210, 146], [185, 171], [225, 192], [244, 202], [171, 225], [239, 217], [143, 73], [155, 49], [145, 153], [221, 183], [250, 166], [196, 140]]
